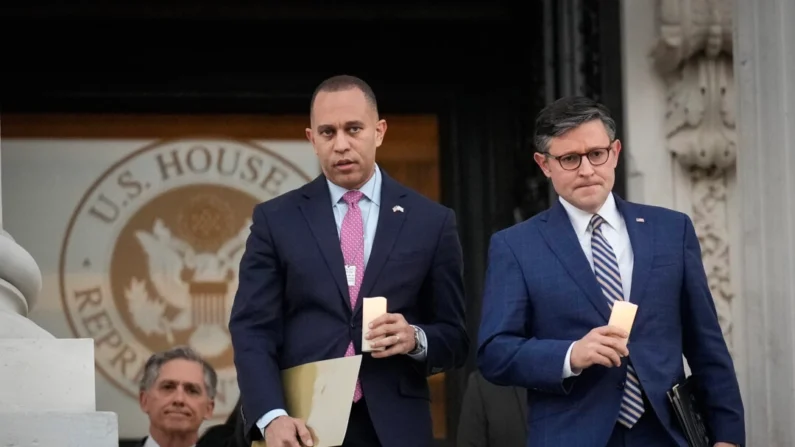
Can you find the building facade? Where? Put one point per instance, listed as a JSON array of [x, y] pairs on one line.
[[131, 146]]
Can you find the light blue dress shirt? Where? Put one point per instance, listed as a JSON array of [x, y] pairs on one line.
[[370, 205]]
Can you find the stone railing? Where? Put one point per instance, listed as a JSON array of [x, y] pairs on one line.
[[20, 285], [47, 384]]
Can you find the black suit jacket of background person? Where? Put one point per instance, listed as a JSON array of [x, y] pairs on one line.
[[229, 434], [492, 415]]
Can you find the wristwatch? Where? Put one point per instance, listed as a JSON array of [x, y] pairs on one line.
[[417, 348]]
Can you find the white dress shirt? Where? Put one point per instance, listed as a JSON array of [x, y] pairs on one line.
[[150, 442], [615, 231]]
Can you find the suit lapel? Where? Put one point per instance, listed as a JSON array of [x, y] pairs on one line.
[[561, 238], [641, 238], [389, 225], [318, 212]]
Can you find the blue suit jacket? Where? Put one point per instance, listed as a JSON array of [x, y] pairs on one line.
[[541, 295], [292, 306]]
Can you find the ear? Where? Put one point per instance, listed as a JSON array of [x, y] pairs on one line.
[[380, 131], [311, 137], [543, 162], [210, 408], [617, 149], [143, 400]]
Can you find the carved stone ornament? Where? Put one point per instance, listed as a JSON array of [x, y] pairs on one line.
[[694, 55]]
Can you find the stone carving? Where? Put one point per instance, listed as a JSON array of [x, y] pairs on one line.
[[694, 55], [709, 215]]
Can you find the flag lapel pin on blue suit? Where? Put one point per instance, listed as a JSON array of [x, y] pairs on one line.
[[397, 209], [640, 219]]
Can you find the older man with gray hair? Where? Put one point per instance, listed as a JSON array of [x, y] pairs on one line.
[[177, 392]]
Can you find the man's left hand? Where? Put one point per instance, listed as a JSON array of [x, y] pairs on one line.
[[398, 335]]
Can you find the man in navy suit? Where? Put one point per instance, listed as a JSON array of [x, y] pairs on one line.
[[315, 252], [551, 283]]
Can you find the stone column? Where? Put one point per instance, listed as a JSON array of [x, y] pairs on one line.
[[47, 385], [764, 40]]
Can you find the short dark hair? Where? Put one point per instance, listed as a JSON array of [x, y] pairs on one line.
[[157, 360], [345, 82], [567, 113]]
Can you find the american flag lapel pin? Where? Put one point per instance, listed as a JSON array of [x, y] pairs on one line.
[[397, 209], [640, 219]]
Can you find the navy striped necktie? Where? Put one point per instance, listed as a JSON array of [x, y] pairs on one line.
[[608, 276]]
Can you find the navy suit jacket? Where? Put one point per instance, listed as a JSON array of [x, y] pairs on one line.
[[541, 295], [293, 307]]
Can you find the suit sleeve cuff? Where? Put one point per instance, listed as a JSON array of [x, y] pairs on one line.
[[567, 371], [263, 422], [420, 352]]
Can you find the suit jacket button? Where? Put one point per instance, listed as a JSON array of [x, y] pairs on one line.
[[353, 324], [621, 385]]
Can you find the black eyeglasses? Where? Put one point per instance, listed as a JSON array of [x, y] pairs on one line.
[[596, 157]]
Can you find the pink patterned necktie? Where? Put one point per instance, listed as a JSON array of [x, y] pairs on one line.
[[352, 242]]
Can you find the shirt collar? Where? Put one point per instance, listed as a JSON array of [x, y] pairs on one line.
[[150, 442], [581, 219], [371, 189]]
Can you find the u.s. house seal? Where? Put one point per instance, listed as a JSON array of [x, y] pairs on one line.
[[151, 254]]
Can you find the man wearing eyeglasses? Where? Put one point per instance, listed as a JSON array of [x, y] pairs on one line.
[[552, 282]]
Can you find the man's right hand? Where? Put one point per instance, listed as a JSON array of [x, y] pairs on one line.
[[602, 346], [285, 431]]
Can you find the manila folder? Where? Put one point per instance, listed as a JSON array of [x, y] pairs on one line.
[[321, 394]]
